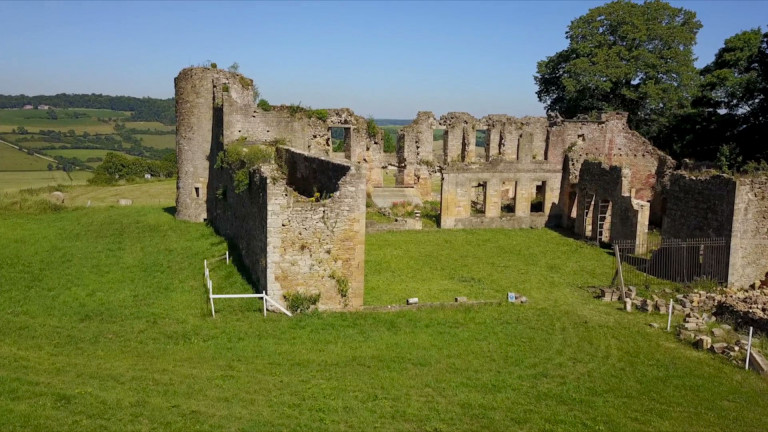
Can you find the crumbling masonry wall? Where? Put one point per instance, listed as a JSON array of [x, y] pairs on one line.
[[717, 205], [215, 108], [610, 141], [299, 226], [627, 217]]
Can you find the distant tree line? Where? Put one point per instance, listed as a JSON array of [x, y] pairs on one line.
[[119, 167], [143, 109]]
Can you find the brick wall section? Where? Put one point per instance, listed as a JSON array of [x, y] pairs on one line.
[[749, 241]]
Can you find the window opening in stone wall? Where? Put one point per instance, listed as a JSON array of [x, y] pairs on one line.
[[604, 221], [481, 143], [546, 146], [517, 149], [477, 204], [537, 203], [465, 148], [589, 211], [502, 142], [508, 197], [197, 191], [573, 204], [341, 138]]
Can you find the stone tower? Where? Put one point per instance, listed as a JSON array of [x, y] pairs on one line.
[[201, 93]]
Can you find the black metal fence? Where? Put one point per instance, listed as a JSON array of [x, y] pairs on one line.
[[658, 261]]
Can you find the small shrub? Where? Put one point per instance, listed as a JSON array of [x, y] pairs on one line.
[[372, 128], [320, 114], [300, 302], [264, 105], [241, 159], [404, 209], [225, 88], [245, 82], [214, 65]]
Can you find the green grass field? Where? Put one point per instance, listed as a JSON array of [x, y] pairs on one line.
[[159, 141], [12, 159], [81, 154], [157, 193], [106, 327], [16, 180]]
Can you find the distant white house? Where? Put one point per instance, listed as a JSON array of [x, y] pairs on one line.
[[27, 107], [43, 107]]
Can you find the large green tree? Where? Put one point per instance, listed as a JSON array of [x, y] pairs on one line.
[[624, 56]]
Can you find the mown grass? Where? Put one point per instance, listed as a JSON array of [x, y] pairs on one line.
[[12, 159], [106, 327]]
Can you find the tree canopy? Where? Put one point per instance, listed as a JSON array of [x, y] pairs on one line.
[[624, 56]]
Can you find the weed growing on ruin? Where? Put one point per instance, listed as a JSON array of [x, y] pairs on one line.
[[297, 109], [404, 209], [300, 302], [371, 127], [245, 82], [264, 105], [241, 159], [342, 287], [225, 88]]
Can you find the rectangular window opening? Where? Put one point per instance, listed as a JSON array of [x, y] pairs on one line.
[[478, 196], [341, 138], [537, 203], [508, 197], [197, 191], [481, 143]]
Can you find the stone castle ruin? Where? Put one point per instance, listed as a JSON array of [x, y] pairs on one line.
[[299, 225]]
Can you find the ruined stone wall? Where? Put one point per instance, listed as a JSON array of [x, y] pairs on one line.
[[749, 240], [627, 218], [200, 98], [415, 154], [510, 180], [698, 207], [300, 226], [611, 141]]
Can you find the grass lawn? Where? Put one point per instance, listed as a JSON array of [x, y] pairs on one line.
[[106, 327], [159, 141], [12, 159], [81, 154]]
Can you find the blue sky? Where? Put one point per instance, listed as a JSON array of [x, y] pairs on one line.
[[386, 59]]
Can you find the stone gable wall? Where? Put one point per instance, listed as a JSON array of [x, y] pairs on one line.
[[749, 240]]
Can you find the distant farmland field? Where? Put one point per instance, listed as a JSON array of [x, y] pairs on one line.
[[34, 120], [158, 141], [15, 160], [16, 180]]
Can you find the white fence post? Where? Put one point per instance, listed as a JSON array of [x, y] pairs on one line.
[[669, 320], [749, 349]]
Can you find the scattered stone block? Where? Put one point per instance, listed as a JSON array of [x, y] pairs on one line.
[[460, 299], [523, 299], [718, 333], [686, 335], [758, 363], [703, 342], [412, 301], [726, 327], [124, 202], [718, 348], [628, 304], [654, 325]]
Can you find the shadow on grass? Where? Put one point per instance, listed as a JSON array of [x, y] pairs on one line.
[[170, 210]]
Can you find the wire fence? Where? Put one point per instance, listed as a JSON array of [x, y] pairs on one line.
[[662, 262]]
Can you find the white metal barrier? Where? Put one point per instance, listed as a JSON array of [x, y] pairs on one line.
[[211, 295]]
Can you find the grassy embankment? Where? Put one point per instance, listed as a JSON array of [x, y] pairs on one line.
[[106, 327]]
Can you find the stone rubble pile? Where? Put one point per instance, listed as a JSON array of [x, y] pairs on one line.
[[700, 325]]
